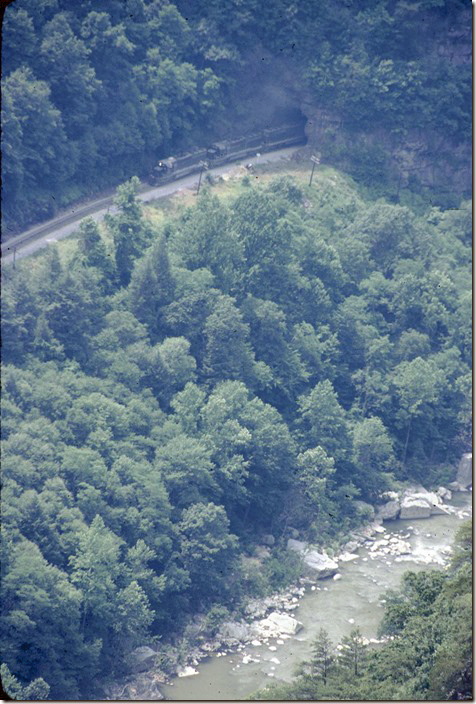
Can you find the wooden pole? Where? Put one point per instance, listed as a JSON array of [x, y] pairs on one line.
[[200, 178], [312, 172]]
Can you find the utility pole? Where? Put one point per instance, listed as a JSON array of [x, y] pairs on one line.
[[14, 257], [204, 165], [315, 160]]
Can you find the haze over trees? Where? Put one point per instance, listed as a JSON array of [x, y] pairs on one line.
[[172, 392]]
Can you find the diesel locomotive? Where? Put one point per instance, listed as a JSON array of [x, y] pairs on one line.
[[219, 153]]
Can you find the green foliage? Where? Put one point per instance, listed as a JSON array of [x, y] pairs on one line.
[[37, 690], [215, 618], [94, 95], [282, 569], [207, 549], [166, 401]]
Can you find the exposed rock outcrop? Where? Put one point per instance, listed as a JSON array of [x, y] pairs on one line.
[[142, 658], [464, 475]]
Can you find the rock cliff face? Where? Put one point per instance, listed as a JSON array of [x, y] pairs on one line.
[[464, 475], [420, 155]]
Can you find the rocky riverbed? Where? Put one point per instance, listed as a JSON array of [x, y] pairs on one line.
[[395, 540]]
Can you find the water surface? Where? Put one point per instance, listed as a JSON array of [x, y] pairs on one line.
[[357, 596]]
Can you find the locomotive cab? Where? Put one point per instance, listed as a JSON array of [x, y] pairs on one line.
[[165, 166], [217, 150], [162, 169]]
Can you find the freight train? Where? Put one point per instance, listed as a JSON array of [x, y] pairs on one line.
[[219, 153]]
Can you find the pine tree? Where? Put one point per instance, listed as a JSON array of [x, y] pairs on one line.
[[353, 652], [165, 280], [322, 655], [94, 252], [128, 229], [152, 287]]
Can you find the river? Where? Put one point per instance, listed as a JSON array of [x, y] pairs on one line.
[[337, 606]]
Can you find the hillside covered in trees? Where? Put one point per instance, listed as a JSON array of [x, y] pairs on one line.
[[178, 385], [95, 92], [428, 654], [173, 391]]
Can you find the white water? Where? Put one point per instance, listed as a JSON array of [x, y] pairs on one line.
[[356, 596]]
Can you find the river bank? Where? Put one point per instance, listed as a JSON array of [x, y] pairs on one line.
[[277, 630]]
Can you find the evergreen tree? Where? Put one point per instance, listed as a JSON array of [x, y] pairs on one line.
[[127, 228], [94, 252], [152, 287], [322, 655], [353, 652]]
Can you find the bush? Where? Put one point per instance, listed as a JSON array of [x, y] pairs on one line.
[[282, 569], [215, 618]]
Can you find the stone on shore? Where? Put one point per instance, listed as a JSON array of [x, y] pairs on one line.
[[297, 546], [444, 493], [347, 557], [234, 630], [268, 539], [187, 671], [316, 563]]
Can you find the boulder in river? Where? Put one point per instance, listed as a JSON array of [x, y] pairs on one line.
[[389, 511], [414, 508], [320, 564], [277, 624], [411, 503]]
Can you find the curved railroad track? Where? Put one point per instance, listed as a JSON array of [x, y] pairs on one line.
[[59, 227]]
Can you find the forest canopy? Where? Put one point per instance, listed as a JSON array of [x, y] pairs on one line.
[[167, 401], [94, 92], [178, 385]]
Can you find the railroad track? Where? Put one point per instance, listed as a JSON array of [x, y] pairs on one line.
[[38, 236]]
